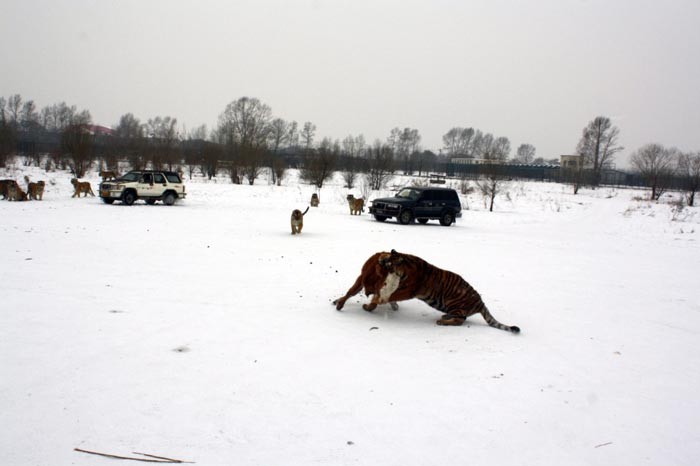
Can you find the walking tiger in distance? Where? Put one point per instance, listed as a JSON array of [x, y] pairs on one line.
[[81, 187], [410, 277], [35, 190], [357, 206]]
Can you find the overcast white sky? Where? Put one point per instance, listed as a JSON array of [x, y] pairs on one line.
[[533, 71]]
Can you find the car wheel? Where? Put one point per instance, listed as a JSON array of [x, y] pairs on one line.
[[129, 197], [423, 220], [150, 201], [107, 200], [169, 199], [447, 219], [405, 217]]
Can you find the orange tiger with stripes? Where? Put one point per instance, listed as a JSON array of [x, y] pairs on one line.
[[410, 276]]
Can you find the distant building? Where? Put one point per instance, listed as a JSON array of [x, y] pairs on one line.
[[474, 161], [99, 130], [579, 161], [572, 161]]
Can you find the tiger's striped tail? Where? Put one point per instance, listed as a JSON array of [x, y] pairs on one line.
[[491, 320]]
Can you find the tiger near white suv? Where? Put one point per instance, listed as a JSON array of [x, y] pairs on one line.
[[149, 185]]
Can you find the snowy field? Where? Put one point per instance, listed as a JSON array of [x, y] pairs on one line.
[[205, 331]]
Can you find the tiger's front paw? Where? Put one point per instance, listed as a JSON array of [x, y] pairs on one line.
[[369, 307], [339, 303]]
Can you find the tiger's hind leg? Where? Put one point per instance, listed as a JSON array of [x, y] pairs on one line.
[[451, 319]]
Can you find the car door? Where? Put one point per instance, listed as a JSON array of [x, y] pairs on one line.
[[145, 186], [159, 184], [425, 205]]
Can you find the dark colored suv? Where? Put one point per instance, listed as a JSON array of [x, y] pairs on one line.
[[421, 204]]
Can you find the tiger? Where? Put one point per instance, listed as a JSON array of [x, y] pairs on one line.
[[15, 193], [315, 201], [372, 278], [297, 220], [36, 190], [357, 206], [108, 175], [412, 277], [5, 187], [81, 187]]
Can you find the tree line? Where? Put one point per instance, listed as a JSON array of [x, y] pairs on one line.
[[248, 140]]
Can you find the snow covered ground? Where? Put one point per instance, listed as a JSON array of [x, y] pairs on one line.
[[205, 331]]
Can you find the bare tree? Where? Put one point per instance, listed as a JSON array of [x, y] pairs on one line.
[[482, 145], [77, 142], [525, 153], [279, 135], [423, 161], [244, 127], [320, 164], [307, 134], [279, 168], [129, 139], [353, 149], [193, 149], [656, 165], [380, 160], [212, 153], [29, 118], [7, 135], [459, 142], [404, 142], [689, 171], [253, 162], [163, 141], [489, 187], [14, 109], [246, 121], [598, 144], [293, 135], [499, 150]]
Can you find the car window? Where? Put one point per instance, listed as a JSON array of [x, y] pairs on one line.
[[173, 177], [408, 193], [428, 196], [131, 176], [446, 195], [147, 178], [158, 178]]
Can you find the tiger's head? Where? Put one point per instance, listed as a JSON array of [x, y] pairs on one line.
[[392, 262]]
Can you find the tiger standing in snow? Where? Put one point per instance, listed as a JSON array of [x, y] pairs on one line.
[[297, 220]]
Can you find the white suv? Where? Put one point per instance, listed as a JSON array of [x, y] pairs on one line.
[[149, 185]]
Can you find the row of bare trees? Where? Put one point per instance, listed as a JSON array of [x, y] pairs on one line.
[[662, 166], [249, 140]]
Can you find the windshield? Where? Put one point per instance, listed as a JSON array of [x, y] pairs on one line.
[[408, 193], [131, 176]]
